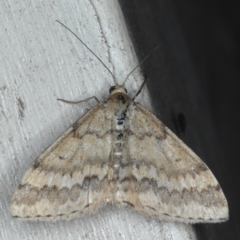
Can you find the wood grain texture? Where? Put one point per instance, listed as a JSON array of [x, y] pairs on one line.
[[42, 62]]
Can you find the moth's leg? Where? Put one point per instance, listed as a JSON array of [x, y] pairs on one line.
[[140, 89], [85, 100]]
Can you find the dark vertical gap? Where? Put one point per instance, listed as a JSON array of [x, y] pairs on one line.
[[194, 82]]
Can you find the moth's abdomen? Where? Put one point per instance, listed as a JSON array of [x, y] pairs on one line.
[[119, 104]]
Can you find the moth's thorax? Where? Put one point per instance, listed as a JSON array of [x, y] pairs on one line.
[[120, 98], [118, 102]]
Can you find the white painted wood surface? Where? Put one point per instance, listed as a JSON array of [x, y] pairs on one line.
[[40, 62]]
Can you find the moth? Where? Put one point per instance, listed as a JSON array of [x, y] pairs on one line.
[[119, 153]]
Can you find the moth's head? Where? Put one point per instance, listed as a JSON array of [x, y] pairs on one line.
[[117, 89]]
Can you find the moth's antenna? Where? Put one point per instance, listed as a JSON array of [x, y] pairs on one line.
[[89, 50], [141, 63]]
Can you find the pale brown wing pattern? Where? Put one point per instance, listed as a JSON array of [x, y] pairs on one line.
[[120, 153], [163, 177], [70, 177]]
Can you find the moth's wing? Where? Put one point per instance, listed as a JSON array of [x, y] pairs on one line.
[[70, 177], [162, 177]]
